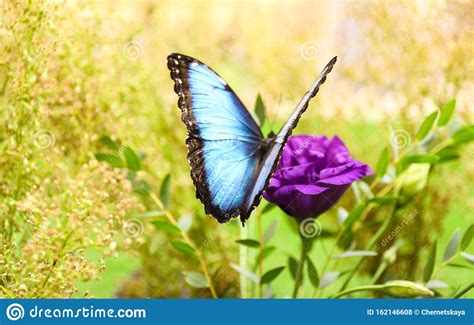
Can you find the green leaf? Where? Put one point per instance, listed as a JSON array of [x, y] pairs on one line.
[[468, 257], [312, 273], [452, 246], [328, 278], [348, 254], [426, 126], [448, 154], [436, 284], [430, 264], [165, 191], [346, 239], [354, 215], [462, 266], [166, 226], [109, 143], [142, 187], [248, 242], [133, 162], [342, 215], [268, 207], [246, 273], [467, 237], [381, 200], [447, 112], [293, 266], [271, 275], [195, 279], [270, 231], [183, 247], [112, 160], [427, 158], [382, 164], [464, 135], [184, 222], [266, 251], [260, 110]]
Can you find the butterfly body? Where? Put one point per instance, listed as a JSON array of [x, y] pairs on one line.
[[231, 162]]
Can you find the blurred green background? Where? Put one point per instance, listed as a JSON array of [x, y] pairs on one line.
[[73, 72]]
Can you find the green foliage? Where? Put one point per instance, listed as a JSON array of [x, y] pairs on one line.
[[183, 247], [430, 264], [166, 226], [260, 110], [452, 246], [271, 275], [313, 273], [447, 112], [426, 126], [382, 164], [354, 215], [467, 237], [248, 242], [133, 162], [165, 191], [195, 279]]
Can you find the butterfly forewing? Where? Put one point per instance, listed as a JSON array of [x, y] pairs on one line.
[[224, 142]]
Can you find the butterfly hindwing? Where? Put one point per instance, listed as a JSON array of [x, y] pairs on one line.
[[224, 142]]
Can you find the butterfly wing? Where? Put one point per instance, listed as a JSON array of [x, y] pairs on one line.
[[224, 142], [272, 155]]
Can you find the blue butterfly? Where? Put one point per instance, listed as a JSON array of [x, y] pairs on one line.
[[231, 161]]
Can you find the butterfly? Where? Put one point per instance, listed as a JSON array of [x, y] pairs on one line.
[[231, 161]]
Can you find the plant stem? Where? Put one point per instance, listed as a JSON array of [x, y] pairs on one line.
[[305, 247], [199, 255], [243, 251], [260, 250]]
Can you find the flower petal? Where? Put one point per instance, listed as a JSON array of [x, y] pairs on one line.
[[345, 174]]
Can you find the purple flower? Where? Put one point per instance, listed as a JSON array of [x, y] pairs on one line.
[[312, 175]]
